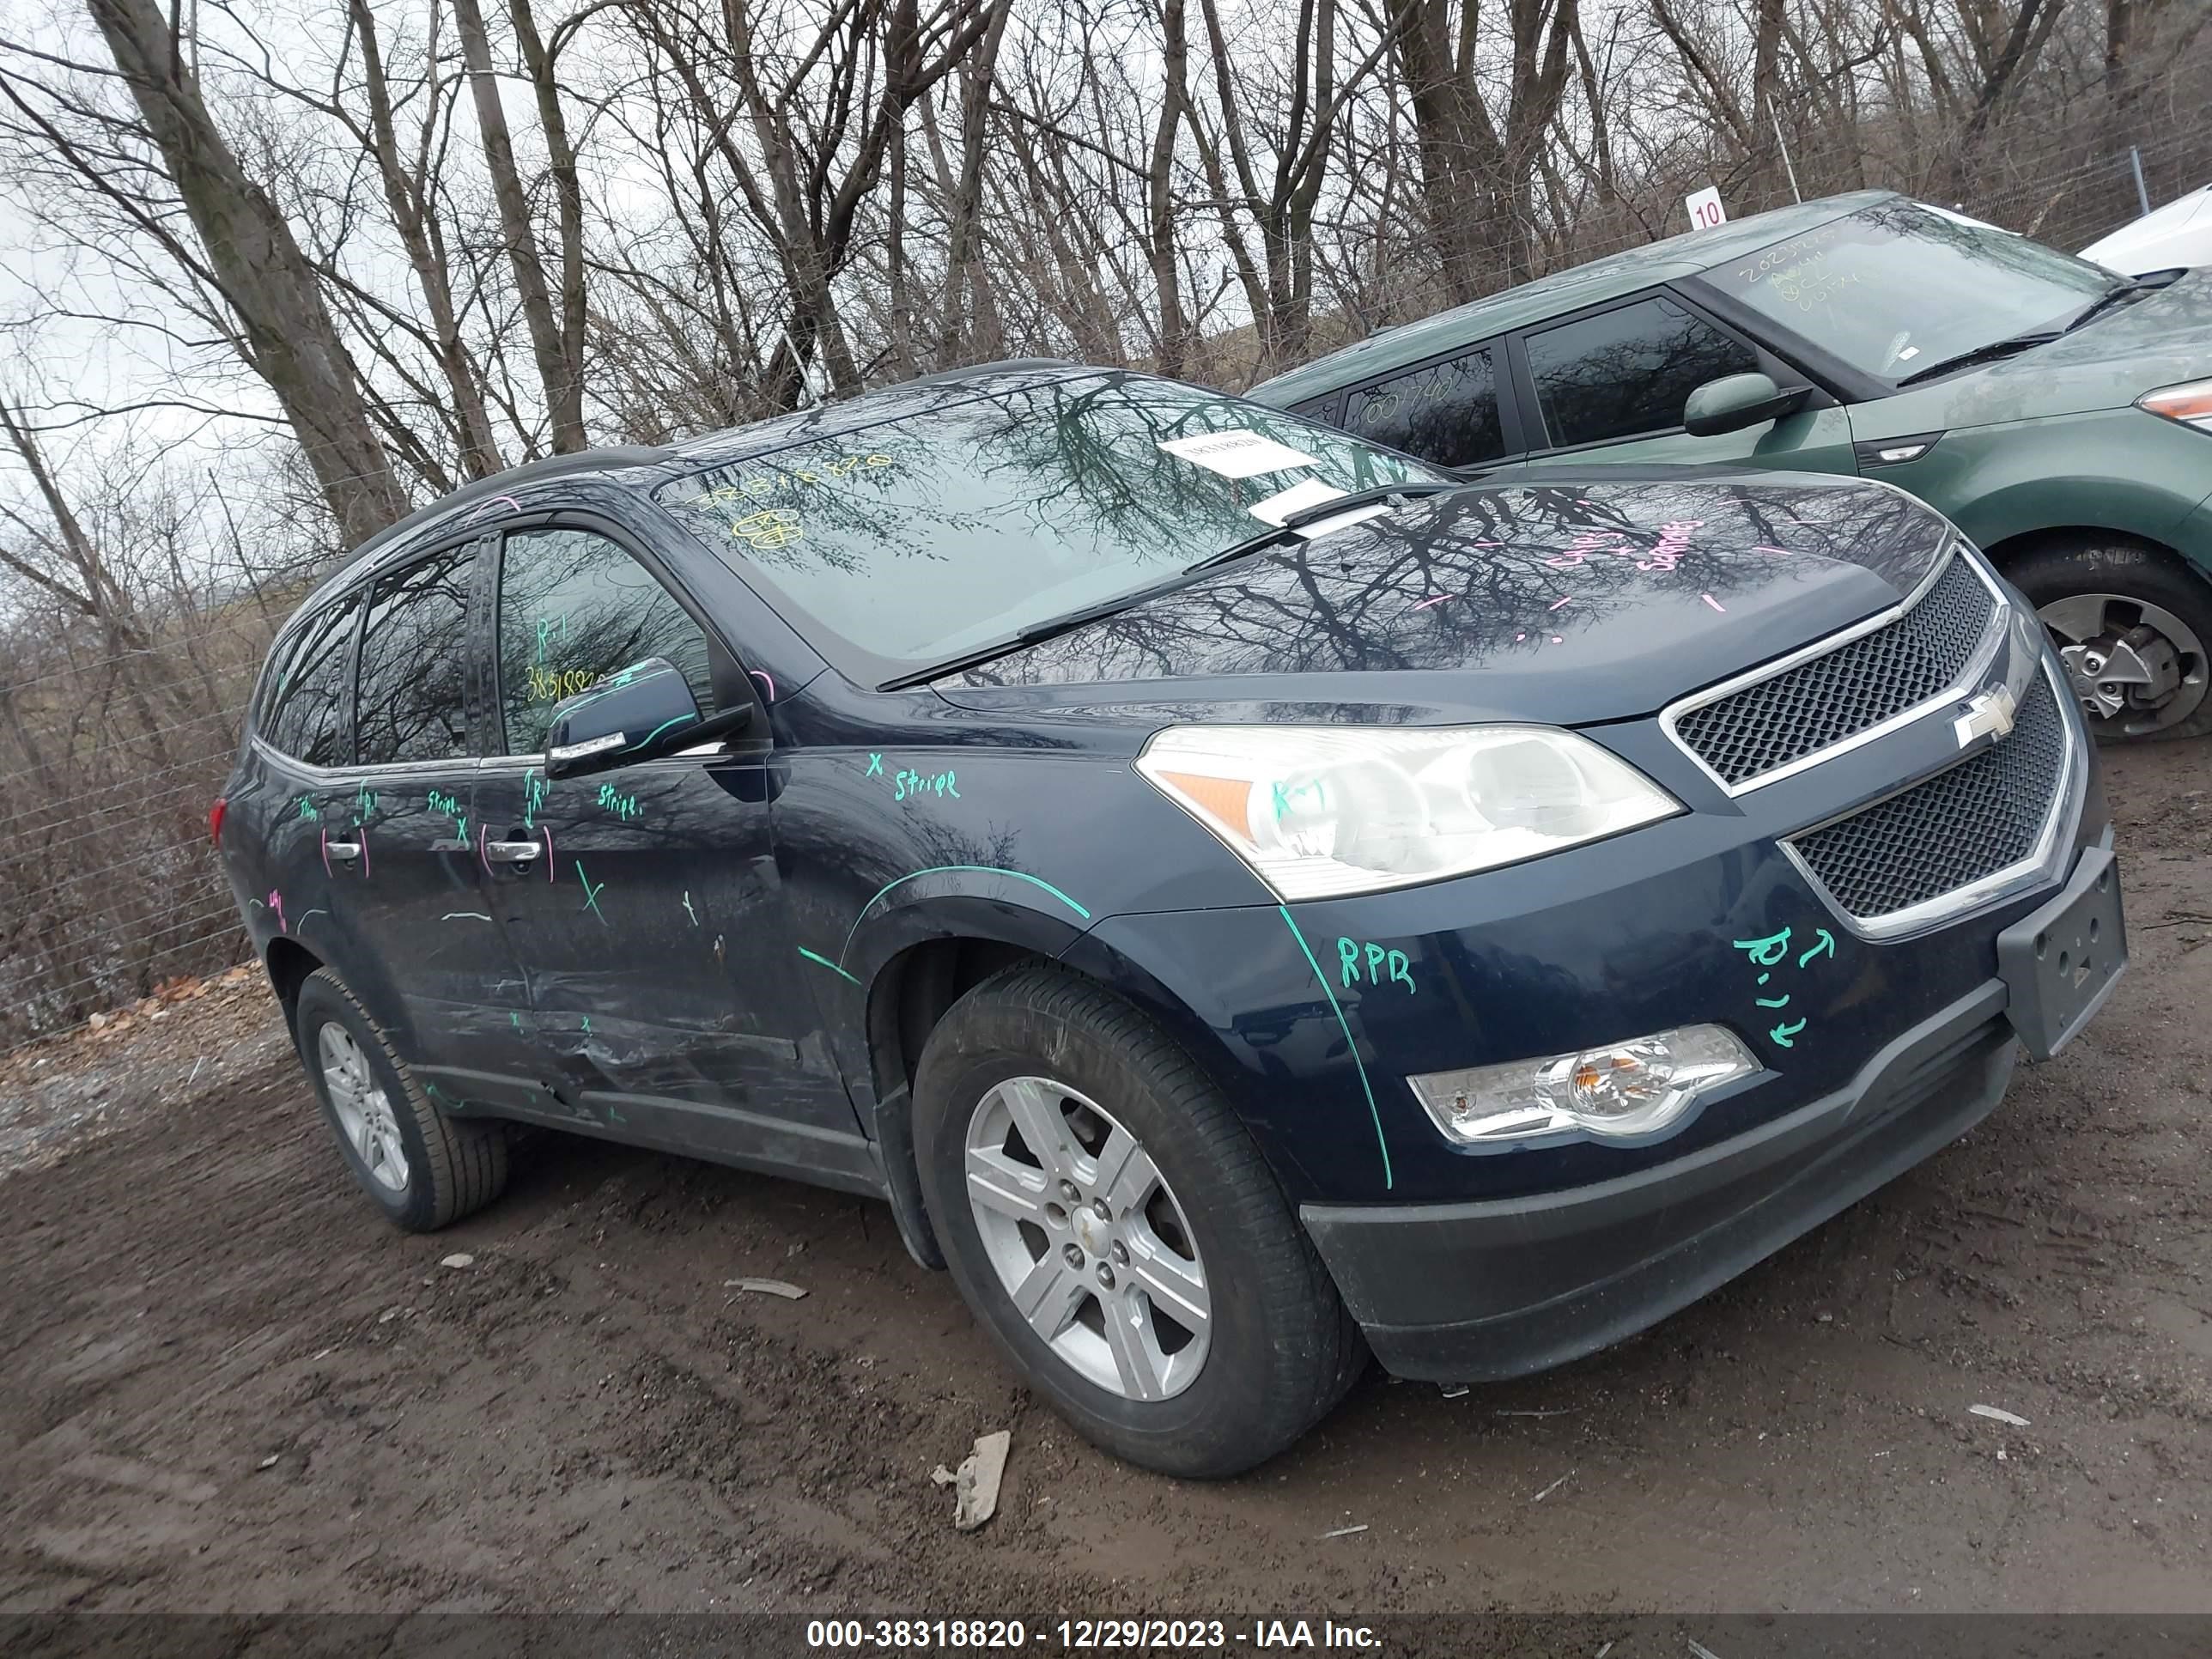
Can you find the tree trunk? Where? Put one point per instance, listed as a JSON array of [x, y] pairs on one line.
[[1159, 185], [265, 276], [961, 270], [568, 201], [563, 394], [404, 200]]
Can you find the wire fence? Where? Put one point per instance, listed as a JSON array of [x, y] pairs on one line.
[[103, 800]]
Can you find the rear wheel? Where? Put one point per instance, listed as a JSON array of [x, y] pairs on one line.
[[423, 1168], [2133, 626], [1109, 1219]]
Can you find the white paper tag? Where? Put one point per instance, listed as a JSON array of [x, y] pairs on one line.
[[1307, 492], [1341, 521], [1237, 455]]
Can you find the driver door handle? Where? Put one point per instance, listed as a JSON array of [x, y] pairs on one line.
[[517, 853]]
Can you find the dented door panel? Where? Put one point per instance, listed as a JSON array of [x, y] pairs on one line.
[[648, 930]]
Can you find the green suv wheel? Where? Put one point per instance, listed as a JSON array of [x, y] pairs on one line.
[[2132, 627]]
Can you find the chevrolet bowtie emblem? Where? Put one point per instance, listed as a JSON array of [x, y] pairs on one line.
[[1988, 714]]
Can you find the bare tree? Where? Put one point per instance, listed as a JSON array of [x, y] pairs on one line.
[[242, 248], [557, 344]]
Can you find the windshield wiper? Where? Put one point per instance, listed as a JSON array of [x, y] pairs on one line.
[[1038, 633], [2004, 348], [2018, 343], [2105, 301], [1350, 503]]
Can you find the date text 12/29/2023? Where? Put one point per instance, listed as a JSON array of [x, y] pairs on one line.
[[1087, 1635]]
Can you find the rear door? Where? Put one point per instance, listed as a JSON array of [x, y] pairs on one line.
[[648, 919], [294, 789], [404, 839], [1608, 387], [1456, 412]]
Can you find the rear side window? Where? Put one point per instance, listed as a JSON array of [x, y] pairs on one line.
[[307, 717], [1623, 373], [575, 607], [1446, 413], [414, 663]]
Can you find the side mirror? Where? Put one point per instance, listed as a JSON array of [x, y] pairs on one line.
[[1735, 401], [635, 714]]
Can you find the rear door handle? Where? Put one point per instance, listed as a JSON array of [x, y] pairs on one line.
[[345, 852], [518, 853]]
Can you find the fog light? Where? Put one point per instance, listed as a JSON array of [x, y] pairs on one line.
[[1618, 1090]]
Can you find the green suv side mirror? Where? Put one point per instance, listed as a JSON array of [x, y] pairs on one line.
[[635, 714], [1735, 401]]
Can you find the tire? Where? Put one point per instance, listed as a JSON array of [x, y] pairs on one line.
[[452, 1167], [1277, 1349], [2064, 580]]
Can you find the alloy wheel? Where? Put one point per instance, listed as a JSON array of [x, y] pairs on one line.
[[1088, 1239], [364, 1112]]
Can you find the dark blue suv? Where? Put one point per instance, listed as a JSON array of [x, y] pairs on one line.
[[1243, 898]]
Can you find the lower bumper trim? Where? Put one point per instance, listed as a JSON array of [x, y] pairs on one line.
[[1474, 1292]]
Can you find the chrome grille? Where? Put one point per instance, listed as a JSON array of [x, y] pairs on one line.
[[1769, 724], [1980, 816]]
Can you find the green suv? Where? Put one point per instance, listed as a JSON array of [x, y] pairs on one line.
[[2059, 414]]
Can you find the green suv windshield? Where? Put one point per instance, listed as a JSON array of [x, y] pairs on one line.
[[1894, 289], [926, 537]]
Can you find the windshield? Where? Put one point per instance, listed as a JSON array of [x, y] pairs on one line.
[[929, 536], [1897, 288]]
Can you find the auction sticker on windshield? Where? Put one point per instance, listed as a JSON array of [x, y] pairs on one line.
[[1235, 454]]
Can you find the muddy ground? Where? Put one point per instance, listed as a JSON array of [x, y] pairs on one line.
[[228, 1385]]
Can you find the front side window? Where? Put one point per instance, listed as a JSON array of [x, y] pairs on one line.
[[1895, 289], [1626, 373], [1446, 413], [414, 664], [932, 535], [573, 608], [307, 717]]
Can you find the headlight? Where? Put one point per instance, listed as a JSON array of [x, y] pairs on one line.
[[2191, 405], [1620, 1090], [1321, 812]]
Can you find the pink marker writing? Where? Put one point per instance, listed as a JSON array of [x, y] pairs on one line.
[[1673, 539]]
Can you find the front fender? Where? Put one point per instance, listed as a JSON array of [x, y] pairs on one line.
[[2119, 470], [875, 855]]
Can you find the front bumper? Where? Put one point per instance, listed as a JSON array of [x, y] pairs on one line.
[[1475, 1292], [1472, 1292]]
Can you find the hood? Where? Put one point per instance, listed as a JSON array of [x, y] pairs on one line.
[[2162, 339], [1569, 604]]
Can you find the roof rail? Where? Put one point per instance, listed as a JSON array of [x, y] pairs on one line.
[[500, 483], [1005, 364]]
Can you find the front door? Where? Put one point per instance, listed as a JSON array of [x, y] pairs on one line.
[[643, 901], [1609, 388]]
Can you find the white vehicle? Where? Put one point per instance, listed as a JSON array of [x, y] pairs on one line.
[[2179, 233]]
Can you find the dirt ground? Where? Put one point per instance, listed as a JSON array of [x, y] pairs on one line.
[[229, 1386]]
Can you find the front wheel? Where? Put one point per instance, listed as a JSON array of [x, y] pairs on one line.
[[1109, 1218], [2132, 625]]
